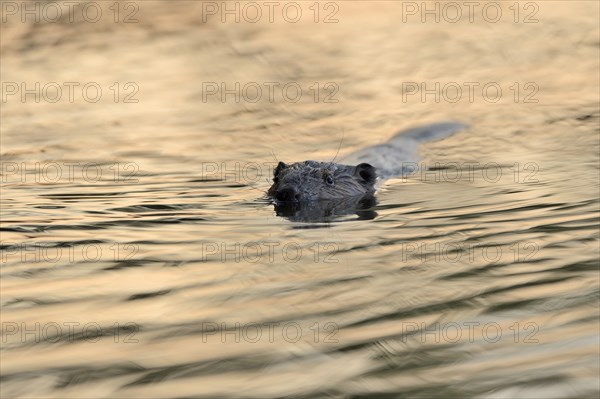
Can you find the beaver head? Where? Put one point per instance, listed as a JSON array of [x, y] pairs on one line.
[[312, 180]]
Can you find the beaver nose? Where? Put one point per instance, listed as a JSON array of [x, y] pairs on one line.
[[288, 193]]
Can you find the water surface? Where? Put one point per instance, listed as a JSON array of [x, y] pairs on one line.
[[151, 264]]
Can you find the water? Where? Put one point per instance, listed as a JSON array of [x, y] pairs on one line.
[[166, 277]]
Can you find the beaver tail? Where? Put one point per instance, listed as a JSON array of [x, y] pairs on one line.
[[436, 131], [399, 155]]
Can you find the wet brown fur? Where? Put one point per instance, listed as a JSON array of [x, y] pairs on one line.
[[313, 180]]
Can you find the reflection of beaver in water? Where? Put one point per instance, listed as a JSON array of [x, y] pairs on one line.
[[310, 181]]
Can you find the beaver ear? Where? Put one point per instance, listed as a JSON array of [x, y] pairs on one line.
[[279, 168], [366, 172]]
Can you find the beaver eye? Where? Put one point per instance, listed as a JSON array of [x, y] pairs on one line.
[[329, 180]]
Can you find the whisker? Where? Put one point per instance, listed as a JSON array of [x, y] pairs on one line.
[[339, 147], [254, 188], [274, 156]]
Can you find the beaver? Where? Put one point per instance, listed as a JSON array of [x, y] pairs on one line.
[[314, 180], [311, 181]]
